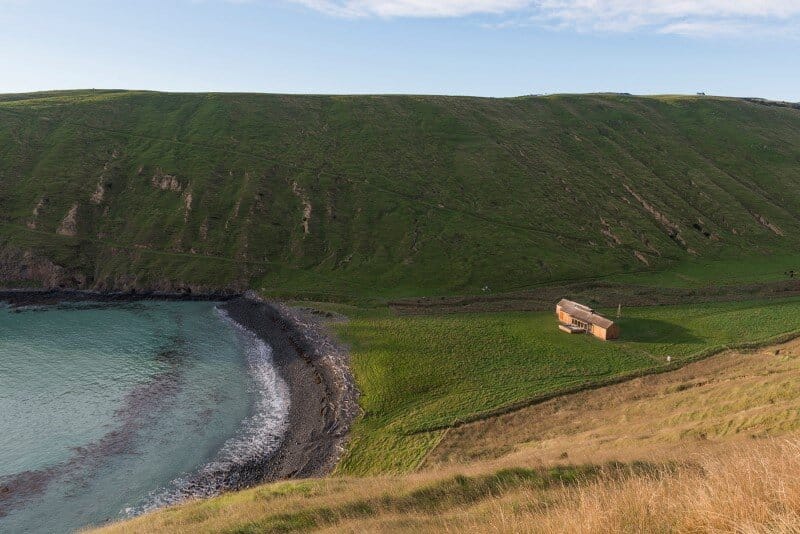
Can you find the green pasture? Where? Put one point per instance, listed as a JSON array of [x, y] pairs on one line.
[[419, 375]]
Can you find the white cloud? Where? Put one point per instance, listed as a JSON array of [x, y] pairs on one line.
[[666, 16], [413, 8], [683, 17], [708, 28]]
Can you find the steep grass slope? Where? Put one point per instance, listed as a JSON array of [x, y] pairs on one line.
[[344, 196]]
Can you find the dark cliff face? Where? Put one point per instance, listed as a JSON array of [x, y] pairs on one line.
[[26, 269]]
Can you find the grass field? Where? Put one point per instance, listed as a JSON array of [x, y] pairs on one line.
[[710, 447], [379, 197], [419, 375]]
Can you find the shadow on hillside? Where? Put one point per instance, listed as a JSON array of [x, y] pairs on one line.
[[637, 330]]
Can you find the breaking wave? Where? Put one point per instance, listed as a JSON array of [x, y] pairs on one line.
[[241, 459]]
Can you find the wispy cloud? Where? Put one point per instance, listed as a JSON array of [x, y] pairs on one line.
[[413, 8], [682, 17], [709, 28], [667, 16]]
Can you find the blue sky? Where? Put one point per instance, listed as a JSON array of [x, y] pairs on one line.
[[476, 47]]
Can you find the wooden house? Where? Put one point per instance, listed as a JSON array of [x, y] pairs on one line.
[[576, 318]]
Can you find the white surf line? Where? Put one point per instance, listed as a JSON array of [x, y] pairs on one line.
[[258, 436]]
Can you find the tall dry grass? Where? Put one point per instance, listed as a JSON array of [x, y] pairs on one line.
[[751, 488]]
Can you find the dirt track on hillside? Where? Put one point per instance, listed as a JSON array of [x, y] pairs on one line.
[[596, 294]]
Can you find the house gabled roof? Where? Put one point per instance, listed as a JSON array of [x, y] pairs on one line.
[[584, 313]]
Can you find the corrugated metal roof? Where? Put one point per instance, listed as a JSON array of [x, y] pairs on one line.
[[584, 313]]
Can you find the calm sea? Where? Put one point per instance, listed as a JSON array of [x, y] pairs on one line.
[[110, 410]]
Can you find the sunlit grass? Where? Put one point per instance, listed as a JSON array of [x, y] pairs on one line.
[[421, 374]]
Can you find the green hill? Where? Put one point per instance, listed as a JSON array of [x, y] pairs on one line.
[[351, 196]]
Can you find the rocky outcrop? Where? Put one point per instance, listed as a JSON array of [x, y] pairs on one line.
[[33, 221], [69, 224], [187, 205], [301, 194], [775, 229], [611, 237], [672, 229], [100, 191], [165, 182], [18, 267], [641, 257]]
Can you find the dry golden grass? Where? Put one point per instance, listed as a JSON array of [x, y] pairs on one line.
[[719, 438], [749, 488], [730, 396]]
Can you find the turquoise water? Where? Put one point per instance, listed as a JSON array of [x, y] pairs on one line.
[[110, 410]]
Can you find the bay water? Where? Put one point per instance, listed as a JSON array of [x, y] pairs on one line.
[[108, 410]]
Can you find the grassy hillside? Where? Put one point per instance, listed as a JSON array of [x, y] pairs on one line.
[[353, 196], [711, 447], [419, 376]]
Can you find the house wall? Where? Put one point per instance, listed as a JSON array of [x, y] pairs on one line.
[[612, 332], [600, 332]]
